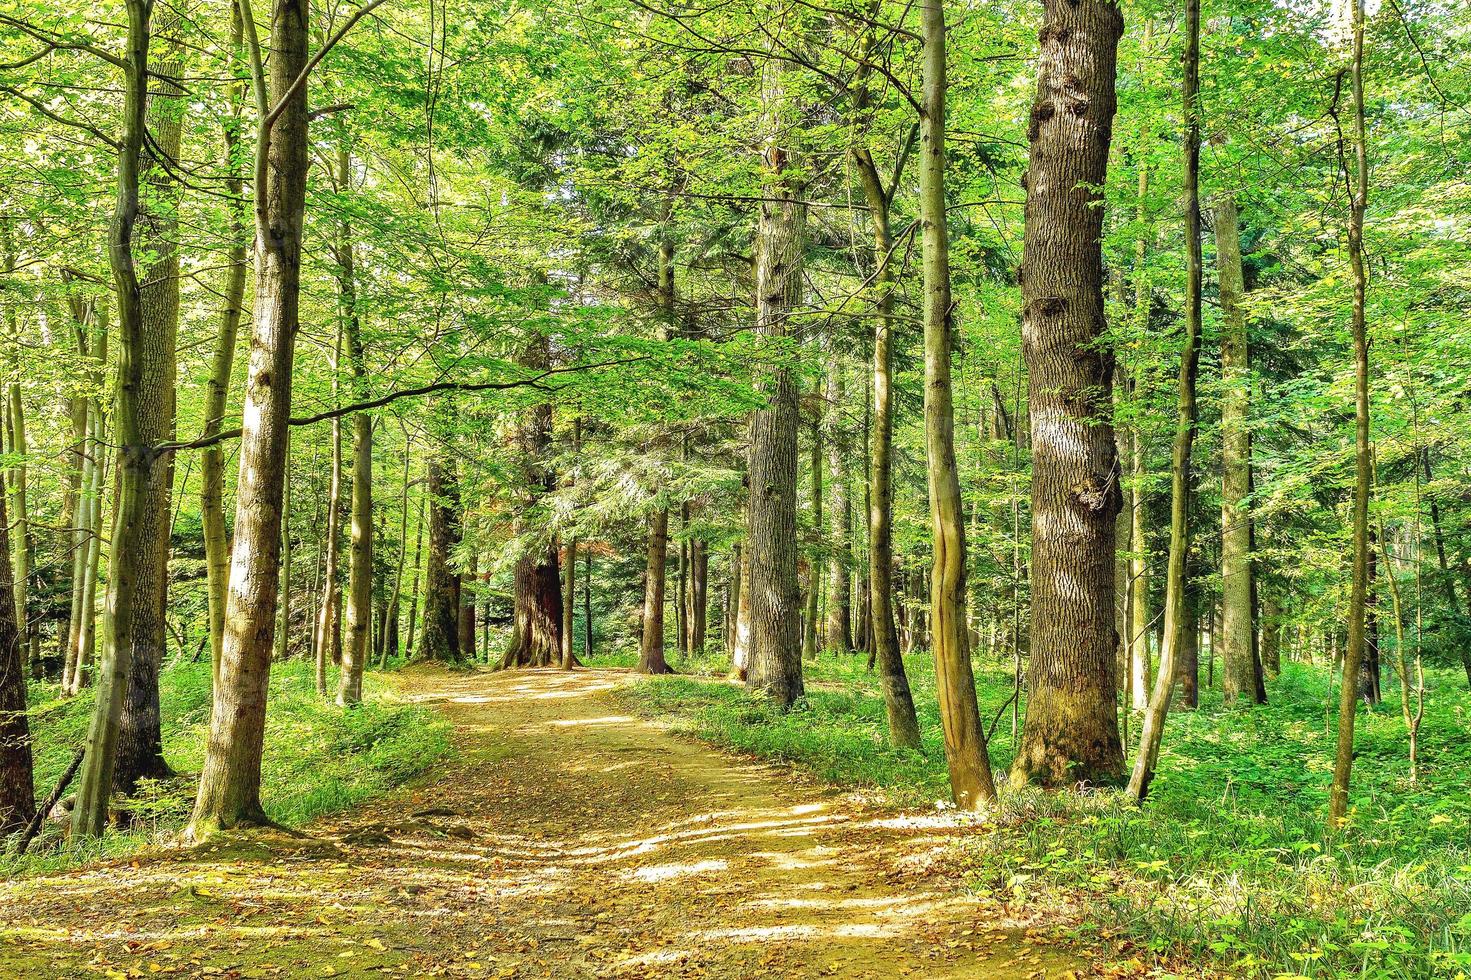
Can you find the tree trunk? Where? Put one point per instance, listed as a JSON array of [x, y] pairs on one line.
[[569, 607], [971, 782], [1238, 674], [413, 629], [1175, 572], [441, 639], [283, 606], [586, 606], [774, 663], [327, 643], [1141, 674], [1359, 590], [839, 631], [699, 594], [229, 787], [814, 564], [222, 364], [537, 635], [1071, 733], [1271, 642], [17, 779], [136, 456], [651, 644], [879, 635]]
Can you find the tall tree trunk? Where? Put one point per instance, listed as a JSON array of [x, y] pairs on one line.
[[1175, 572], [1239, 672], [388, 642], [971, 782], [814, 564], [1071, 733], [360, 554], [586, 606], [17, 780], [229, 787], [879, 635], [283, 606], [1359, 590], [327, 642], [140, 742], [413, 630], [699, 594], [222, 365], [569, 606], [441, 638], [839, 632], [774, 663], [537, 634], [1140, 668], [136, 455], [651, 644]]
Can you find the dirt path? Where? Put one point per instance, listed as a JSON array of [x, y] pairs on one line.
[[566, 839]]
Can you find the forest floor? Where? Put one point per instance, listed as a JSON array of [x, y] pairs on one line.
[[562, 839]]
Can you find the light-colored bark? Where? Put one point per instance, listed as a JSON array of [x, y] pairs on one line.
[[1176, 583], [229, 786], [971, 782]]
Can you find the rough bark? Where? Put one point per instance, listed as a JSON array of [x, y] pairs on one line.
[[327, 640], [1238, 670], [1071, 732], [537, 634], [135, 455], [229, 787], [651, 642], [441, 636], [17, 779], [699, 594]]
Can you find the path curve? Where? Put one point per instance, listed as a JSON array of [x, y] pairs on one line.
[[565, 839]]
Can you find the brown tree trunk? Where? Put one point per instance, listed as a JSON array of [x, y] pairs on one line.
[[467, 612], [569, 606], [327, 643], [699, 594], [1071, 733], [537, 634], [229, 787], [441, 638], [651, 644], [814, 564], [356, 651], [17, 779], [774, 663]]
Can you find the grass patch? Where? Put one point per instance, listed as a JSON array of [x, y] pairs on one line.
[[319, 759], [1227, 865]]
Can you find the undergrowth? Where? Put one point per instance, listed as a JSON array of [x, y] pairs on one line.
[[319, 759], [1227, 865]]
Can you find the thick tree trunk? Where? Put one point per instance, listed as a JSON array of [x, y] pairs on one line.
[[467, 612], [1071, 733], [441, 638], [537, 634], [774, 657], [140, 742], [17, 780], [1176, 577], [229, 787], [130, 551], [971, 782], [1239, 672], [651, 643]]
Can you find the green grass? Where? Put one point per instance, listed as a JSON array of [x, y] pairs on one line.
[[319, 759], [1227, 864]]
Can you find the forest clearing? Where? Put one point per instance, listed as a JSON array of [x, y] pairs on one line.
[[798, 487]]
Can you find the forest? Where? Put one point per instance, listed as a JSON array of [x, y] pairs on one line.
[[707, 489]]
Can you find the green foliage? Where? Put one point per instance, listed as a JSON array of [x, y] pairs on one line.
[[319, 759], [1226, 863]]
